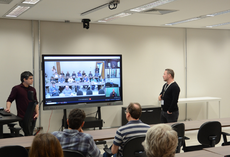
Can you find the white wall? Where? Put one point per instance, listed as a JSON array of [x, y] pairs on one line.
[[146, 52]]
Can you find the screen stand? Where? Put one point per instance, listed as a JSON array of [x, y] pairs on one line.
[[90, 122]]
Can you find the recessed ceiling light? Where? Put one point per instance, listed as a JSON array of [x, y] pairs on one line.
[[17, 10], [115, 17], [218, 13], [30, 1], [183, 21], [217, 25], [151, 5]]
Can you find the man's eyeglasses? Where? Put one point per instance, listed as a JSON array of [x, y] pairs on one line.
[[126, 111]]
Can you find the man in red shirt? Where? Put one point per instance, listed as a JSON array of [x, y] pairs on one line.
[[19, 93]]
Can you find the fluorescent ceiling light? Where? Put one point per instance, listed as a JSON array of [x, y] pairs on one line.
[[30, 1], [151, 5], [217, 25], [179, 22], [219, 13], [115, 17], [18, 10]]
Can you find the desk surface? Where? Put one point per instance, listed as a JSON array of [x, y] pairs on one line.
[[106, 134], [9, 119], [198, 99], [224, 150], [200, 153]]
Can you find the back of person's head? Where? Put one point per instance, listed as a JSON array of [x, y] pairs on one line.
[[76, 118], [25, 75], [170, 71], [160, 141], [135, 110], [45, 145]]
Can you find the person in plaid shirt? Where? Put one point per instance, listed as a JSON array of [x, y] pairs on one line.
[[74, 138]]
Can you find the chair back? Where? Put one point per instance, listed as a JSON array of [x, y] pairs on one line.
[[13, 151], [72, 153], [180, 129], [89, 92], [209, 133], [133, 147], [79, 92]]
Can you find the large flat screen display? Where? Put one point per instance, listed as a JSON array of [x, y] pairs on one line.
[[71, 81]]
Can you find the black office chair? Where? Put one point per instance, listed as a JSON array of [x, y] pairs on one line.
[[208, 135], [79, 92], [225, 143], [132, 148], [13, 151], [180, 129], [72, 153], [101, 91]]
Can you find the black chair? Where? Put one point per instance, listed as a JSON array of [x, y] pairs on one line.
[[13, 151], [72, 153], [132, 148], [208, 135], [101, 91], [79, 92], [180, 129], [225, 143]]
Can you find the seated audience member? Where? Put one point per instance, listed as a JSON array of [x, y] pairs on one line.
[[62, 73], [67, 91], [74, 138], [54, 91], [67, 74], [83, 73], [134, 127], [79, 74], [160, 140], [100, 79], [45, 145], [113, 93], [52, 79], [56, 75], [61, 79], [71, 80], [93, 79], [74, 74], [90, 74], [86, 79], [96, 74], [77, 79]]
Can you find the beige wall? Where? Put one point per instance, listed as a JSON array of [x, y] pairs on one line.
[[146, 51]]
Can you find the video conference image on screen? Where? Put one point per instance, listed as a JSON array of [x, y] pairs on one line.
[[78, 79]]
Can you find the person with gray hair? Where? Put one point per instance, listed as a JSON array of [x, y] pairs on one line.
[[160, 141]]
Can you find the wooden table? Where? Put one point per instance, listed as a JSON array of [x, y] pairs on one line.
[[197, 100], [224, 150], [200, 153]]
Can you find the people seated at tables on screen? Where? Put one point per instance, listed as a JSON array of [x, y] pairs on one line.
[[62, 73], [52, 79], [100, 79], [90, 74], [134, 127], [45, 145], [74, 138], [74, 74], [96, 74], [113, 93], [86, 79], [93, 79], [54, 91], [79, 74], [77, 79], [160, 140], [67, 91], [71, 80], [67, 74], [83, 73], [61, 79]]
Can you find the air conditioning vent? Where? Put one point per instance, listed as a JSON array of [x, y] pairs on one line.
[[5, 1]]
